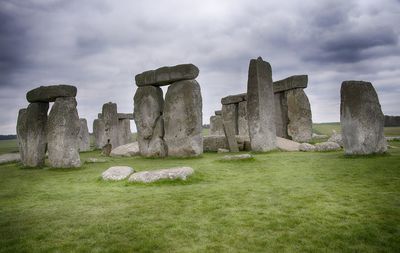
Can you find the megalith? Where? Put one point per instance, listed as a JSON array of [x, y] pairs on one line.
[[299, 115], [62, 133], [183, 119], [99, 132], [50, 93], [229, 122], [243, 127], [167, 75], [148, 116], [216, 127], [361, 119], [84, 137], [110, 118], [125, 134], [260, 106], [22, 133]]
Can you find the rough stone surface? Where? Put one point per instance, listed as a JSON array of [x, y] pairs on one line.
[[237, 157], [10, 158], [229, 121], [117, 173], [152, 176], [216, 126], [219, 112], [130, 149], [167, 75], [281, 115], [183, 119], [95, 160], [223, 150], [327, 146], [260, 106], [22, 133], [125, 116], [99, 132], [212, 143], [110, 119], [392, 121], [292, 82], [335, 137], [319, 136], [36, 120], [50, 93], [243, 127], [299, 114], [361, 119], [287, 145], [124, 131], [62, 134], [233, 99], [306, 147], [106, 149], [148, 110], [84, 137]]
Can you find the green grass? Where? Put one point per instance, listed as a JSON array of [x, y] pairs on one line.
[[8, 146], [278, 202], [326, 128]]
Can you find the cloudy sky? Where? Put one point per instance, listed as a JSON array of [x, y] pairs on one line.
[[100, 45]]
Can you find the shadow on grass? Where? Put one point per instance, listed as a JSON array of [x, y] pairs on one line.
[[370, 156]]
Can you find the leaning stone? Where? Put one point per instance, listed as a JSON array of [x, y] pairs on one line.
[[237, 157], [287, 145], [292, 82], [99, 132], [148, 110], [233, 99], [361, 119], [327, 146], [219, 112], [22, 133], [63, 129], [110, 119], [125, 116], [130, 149], [216, 126], [299, 114], [117, 173], [50, 93], [306, 147], [171, 174], [260, 106], [335, 137], [10, 158], [36, 120], [167, 75], [84, 137], [183, 119], [229, 121]]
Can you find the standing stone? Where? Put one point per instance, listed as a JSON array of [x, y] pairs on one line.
[[299, 114], [281, 115], [124, 131], [260, 106], [148, 110], [36, 119], [229, 121], [62, 133], [361, 119], [216, 127], [84, 137], [183, 119], [99, 132], [22, 133], [243, 127], [110, 118]]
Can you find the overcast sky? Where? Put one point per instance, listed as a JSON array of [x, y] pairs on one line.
[[100, 45]]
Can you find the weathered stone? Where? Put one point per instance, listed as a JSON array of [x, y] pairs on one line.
[[95, 160], [212, 143], [306, 147], [110, 119], [155, 175], [335, 137], [229, 121], [319, 136], [361, 119], [148, 110], [183, 119], [243, 127], [327, 146], [124, 131], [125, 116], [219, 112], [130, 149], [10, 158], [117, 173], [50, 93], [99, 132], [392, 121], [281, 115], [167, 75], [287, 145], [84, 137], [22, 133], [237, 157], [233, 99], [222, 150], [292, 82], [216, 126], [62, 134], [106, 149], [260, 106], [36, 119], [299, 114], [99, 116]]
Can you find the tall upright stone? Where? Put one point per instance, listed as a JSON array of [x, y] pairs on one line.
[[99, 132], [125, 134], [148, 115], [243, 127], [260, 106], [84, 137], [299, 114], [110, 119], [216, 127], [183, 119], [36, 119], [361, 119], [281, 115], [22, 134], [63, 133], [229, 121]]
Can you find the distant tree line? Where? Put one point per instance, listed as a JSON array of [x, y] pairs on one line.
[[8, 137]]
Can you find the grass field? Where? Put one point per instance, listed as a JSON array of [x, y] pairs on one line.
[[279, 202], [327, 128]]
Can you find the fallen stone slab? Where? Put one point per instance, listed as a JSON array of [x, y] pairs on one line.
[[125, 116], [167, 75], [237, 157], [292, 82], [152, 176], [10, 158], [50, 93], [95, 160], [130, 149], [327, 146], [234, 99], [306, 147], [223, 150], [117, 173], [335, 137], [287, 145], [393, 138]]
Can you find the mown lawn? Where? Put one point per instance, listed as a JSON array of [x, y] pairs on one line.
[[279, 202], [327, 128]]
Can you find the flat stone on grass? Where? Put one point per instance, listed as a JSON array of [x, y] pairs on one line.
[[237, 157], [117, 173], [8, 158], [95, 160], [156, 175], [327, 146], [306, 147]]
